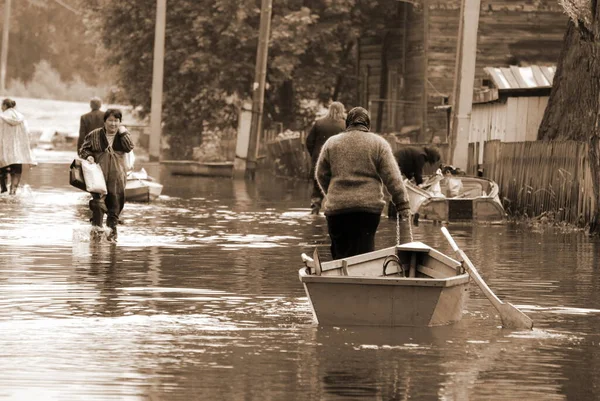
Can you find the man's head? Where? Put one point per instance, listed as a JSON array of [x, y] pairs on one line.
[[432, 155], [95, 103]]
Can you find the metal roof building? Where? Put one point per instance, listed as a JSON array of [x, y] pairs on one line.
[[521, 78]]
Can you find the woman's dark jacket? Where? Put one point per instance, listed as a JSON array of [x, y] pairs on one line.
[[412, 159], [112, 161], [321, 131]]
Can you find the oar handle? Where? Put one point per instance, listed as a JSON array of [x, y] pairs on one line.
[[470, 267], [450, 239]]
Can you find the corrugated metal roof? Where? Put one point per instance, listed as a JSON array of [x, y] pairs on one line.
[[513, 77]]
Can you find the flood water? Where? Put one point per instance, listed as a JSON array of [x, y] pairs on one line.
[[200, 300]]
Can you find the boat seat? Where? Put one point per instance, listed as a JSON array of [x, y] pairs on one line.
[[428, 271], [470, 189]]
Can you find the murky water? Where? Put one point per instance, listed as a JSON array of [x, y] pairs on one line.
[[201, 300]]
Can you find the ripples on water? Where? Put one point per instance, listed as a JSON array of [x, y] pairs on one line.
[[200, 299]]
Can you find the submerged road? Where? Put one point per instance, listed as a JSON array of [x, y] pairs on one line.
[[200, 299]]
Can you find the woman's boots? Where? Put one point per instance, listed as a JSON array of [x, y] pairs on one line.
[[3, 179], [3, 187], [15, 180]]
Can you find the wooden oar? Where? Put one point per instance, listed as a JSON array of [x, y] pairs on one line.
[[512, 317]]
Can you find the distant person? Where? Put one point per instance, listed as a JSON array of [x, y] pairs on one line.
[[90, 121], [352, 170], [15, 149], [454, 184], [412, 159], [324, 128], [108, 146]]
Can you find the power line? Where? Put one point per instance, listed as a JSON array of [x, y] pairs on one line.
[[68, 7]]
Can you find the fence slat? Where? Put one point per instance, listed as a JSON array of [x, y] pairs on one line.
[[539, 176]]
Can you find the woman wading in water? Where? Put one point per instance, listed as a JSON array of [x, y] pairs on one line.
[[107, 146]]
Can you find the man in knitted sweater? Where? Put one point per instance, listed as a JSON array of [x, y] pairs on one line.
[[352, 169]]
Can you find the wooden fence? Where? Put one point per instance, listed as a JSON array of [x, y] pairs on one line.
[[289, 157], [228, 144], [539, 176]]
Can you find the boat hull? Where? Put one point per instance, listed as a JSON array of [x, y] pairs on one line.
[[365, 300], [142, 190], [190, 167], [385, 304]]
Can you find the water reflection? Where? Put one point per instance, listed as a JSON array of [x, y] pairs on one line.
[[200, 299]]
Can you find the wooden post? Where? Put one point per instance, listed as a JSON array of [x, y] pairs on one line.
[[258, 88], [4, 55], [412, 272], [243, 140], [462, 101], [425, 94], [157, 81]]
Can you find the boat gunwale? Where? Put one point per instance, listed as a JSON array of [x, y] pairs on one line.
[[196, 163], [492, 195], [385, 280], [407, 247]]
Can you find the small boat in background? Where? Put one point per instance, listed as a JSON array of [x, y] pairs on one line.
[[477, 201], [405, 285], [140, 187], [192, 167]]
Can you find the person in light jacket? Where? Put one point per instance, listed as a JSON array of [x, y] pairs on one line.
[[15, 149], [107, 146], [352, 170], [323, 129]]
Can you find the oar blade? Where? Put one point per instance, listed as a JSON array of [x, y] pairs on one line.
[[513, 318]]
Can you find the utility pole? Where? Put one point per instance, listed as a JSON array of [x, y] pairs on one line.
[[258, 88], [425, 92], [462, 102], [157, 81], [4, 54]]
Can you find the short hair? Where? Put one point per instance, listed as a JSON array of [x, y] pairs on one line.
[[116, 113], [9, 103], [95, 103], [432, 154], [336, 111]]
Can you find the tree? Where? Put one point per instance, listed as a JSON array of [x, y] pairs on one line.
[[573, 110], [46, 31], [210, 54]]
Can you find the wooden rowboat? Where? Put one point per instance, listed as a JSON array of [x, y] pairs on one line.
[[478, 201], [359, 291], [140, 187], [191, 167]]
